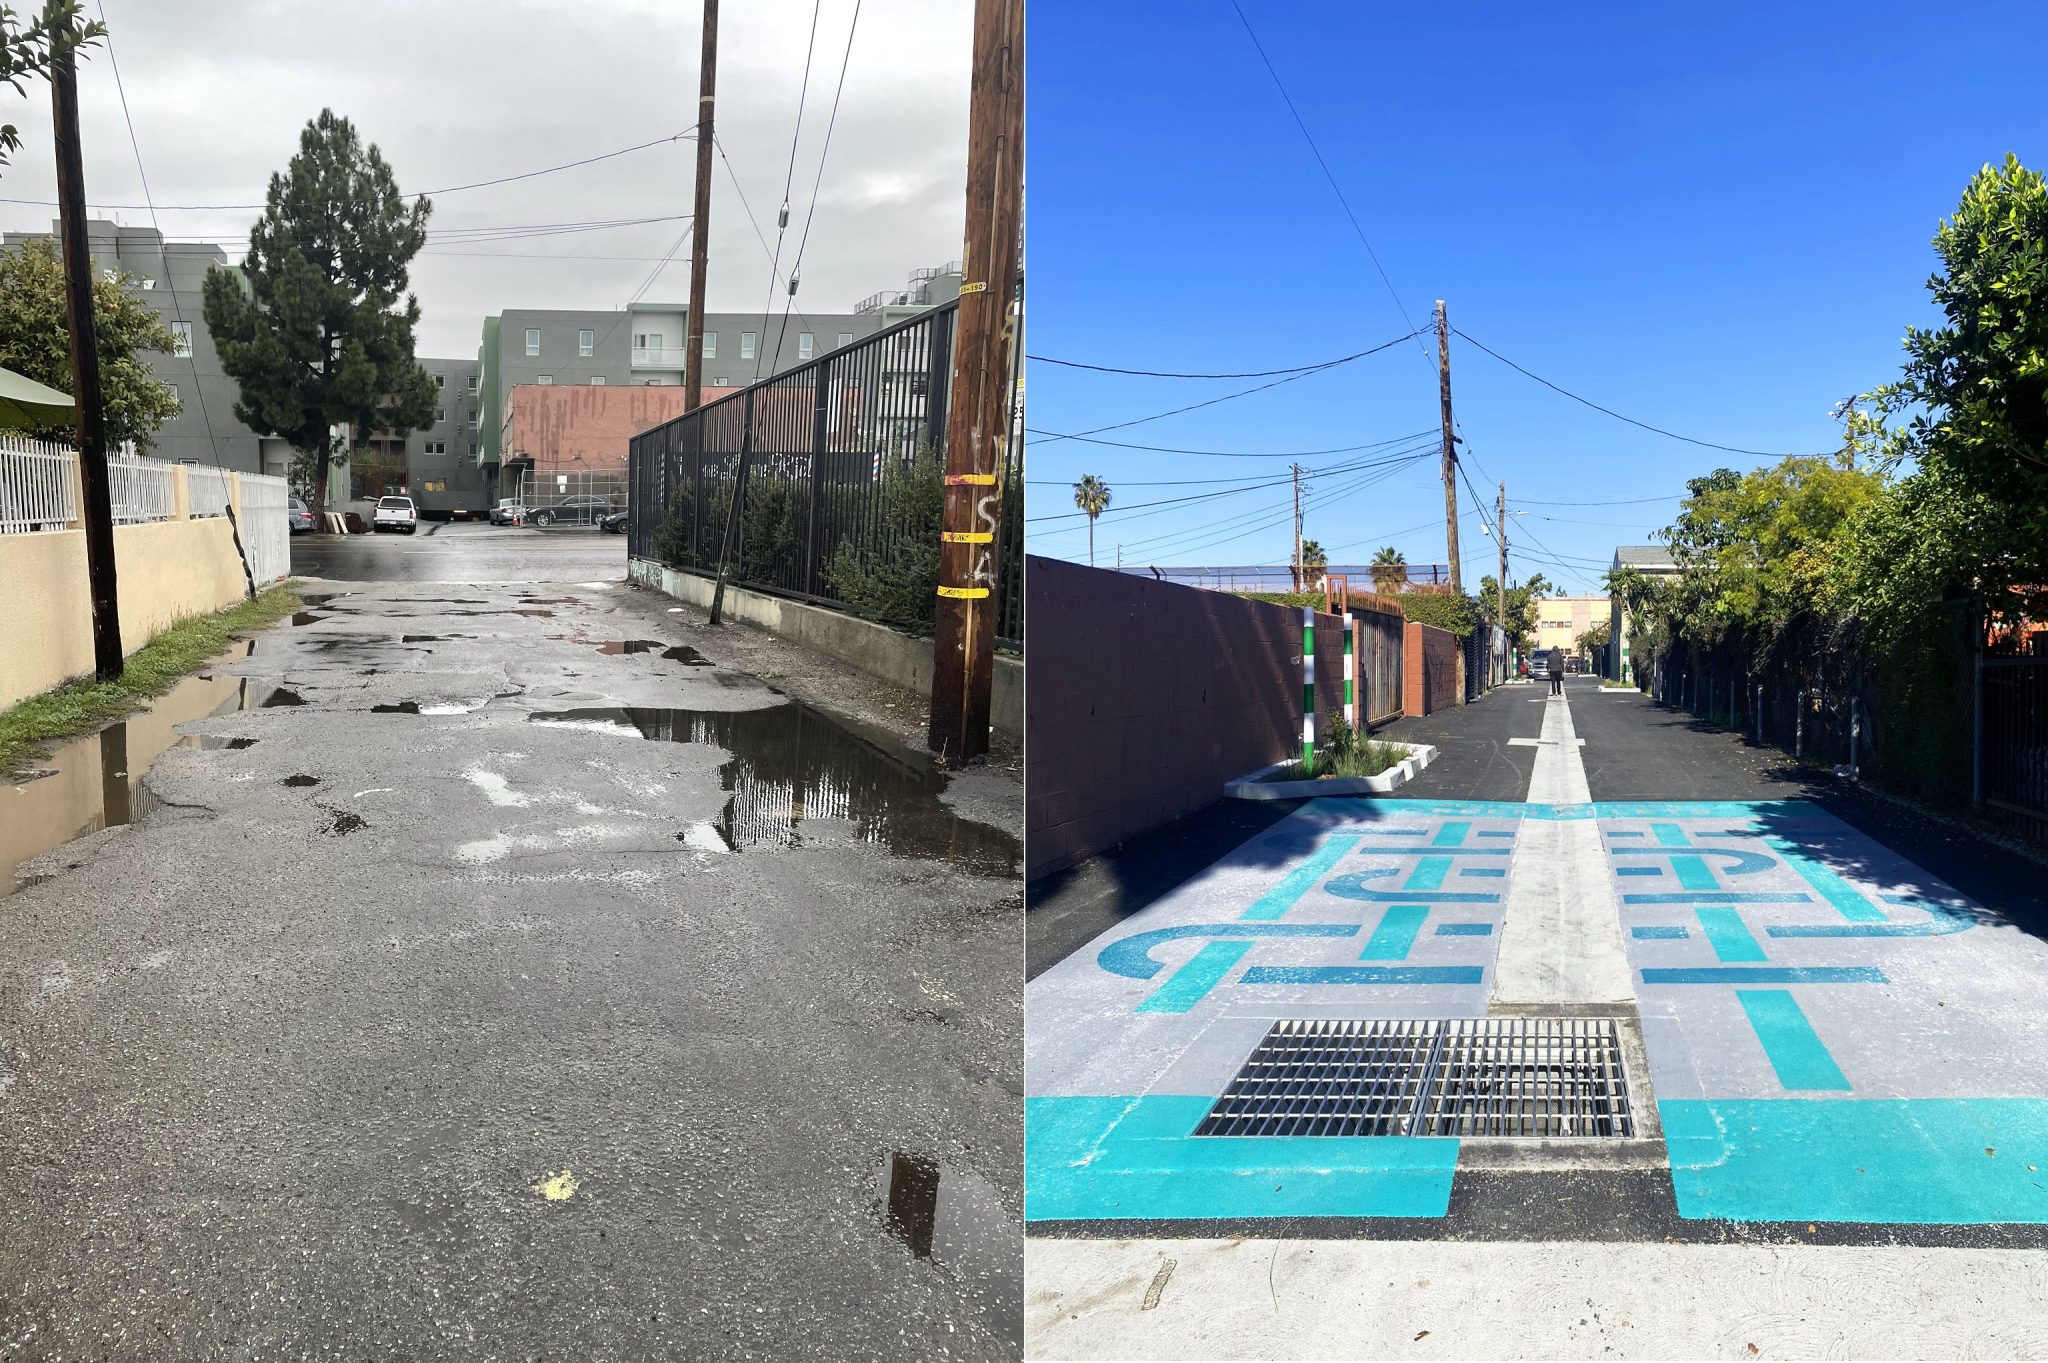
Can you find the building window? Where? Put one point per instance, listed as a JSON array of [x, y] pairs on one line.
[[440, 380], [845, 339], [597, 380], [586, 341], [545, 378], [710, 345], [804, 342], [472, 418], [472, 383], [433, 487], [748, 340], [440, 415], [437, 447], [653, 383], [639, 340], [174, 393], [720, 383], [533, 340], [181, 339]]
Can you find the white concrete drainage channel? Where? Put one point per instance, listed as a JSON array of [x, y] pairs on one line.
[[1524, 1078]]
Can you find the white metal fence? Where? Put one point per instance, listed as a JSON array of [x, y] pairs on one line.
[[266, 527], [206, 490], [143, 490], [38, 485]]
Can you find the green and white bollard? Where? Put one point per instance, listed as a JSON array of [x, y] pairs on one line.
[[1308, 688], [1350, 688]]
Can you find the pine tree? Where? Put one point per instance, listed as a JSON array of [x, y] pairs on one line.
[[317, 327]]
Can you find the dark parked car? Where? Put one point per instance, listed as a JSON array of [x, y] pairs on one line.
[[613, 523], [579, 510]]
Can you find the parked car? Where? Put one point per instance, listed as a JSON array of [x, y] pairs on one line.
[[507, 512], [396, 513], [582, 509], [300, 518], [613, 523]]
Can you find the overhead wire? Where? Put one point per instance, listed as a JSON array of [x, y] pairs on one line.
[[1234, 454], [1227, 492], [788, 181], [824, 152]]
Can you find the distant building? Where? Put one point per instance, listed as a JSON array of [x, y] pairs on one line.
[[1560, 620], [1652, 560], [170, 278]]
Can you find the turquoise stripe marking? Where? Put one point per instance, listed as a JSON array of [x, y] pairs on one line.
[[1730, 938], [1917, 1160], [1493, 872], [1190, 984], [1126, 1158], [1626, 833], [1646, 934], [1464, 929], [1395, 937], [1496, 832], [1717, 897], [1639, 870], [1394, 832], [1846, 898], [1429, 874], [1364, 974], [1446, 851], [1670, 835], [1693, 874], [1275, 902], [1752, 974], [1794, 1049], [1452, 834]]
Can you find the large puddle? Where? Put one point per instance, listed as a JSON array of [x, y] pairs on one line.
[[954, 1219], [794, 773], [95, 782]]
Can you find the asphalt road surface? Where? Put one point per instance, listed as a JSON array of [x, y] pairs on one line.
[[1824, 1007], [507, 973]]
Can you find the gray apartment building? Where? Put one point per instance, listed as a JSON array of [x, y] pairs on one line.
[[170, 277], [644, 344]]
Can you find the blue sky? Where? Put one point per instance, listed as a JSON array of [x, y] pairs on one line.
[[1713, 219]]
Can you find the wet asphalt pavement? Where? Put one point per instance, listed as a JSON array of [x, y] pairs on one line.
[[518, 994]]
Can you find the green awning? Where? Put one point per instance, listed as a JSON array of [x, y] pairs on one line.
[[26, 405]]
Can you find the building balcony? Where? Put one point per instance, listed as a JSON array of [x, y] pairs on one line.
[[659, 356]]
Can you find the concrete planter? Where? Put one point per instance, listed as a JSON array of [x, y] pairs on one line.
[[1256, 787]]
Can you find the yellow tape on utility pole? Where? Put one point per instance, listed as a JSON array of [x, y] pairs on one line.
[[967, 536], [966, 593]]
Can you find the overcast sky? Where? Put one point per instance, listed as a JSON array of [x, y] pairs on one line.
[[455, 92]]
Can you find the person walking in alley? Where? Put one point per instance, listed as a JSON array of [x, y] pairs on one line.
[[1555, 666]]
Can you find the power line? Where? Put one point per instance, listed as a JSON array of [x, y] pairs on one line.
[[1335, 188], [733, 178], [788, 180], [1228, 492], [824, 152], [1321, 502], [1656, 430], [1233, 454], [1623, 501], [1168, 374], [1227, 397], [450, 189], [1219, 531]]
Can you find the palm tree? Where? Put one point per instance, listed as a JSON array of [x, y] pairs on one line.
[[1091, 495], [1314, 563], [1389, 569]]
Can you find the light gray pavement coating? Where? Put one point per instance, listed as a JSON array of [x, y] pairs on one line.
[[290, 1070]]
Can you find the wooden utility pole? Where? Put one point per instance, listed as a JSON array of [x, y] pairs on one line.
[[978, 420], [700, 219], [93, 480], [1298, 565], [1500, 582], [1443, 365]]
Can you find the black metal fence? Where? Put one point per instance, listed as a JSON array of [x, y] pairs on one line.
[[842, 494], [2012, 738]]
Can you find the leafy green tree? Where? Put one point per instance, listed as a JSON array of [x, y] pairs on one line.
[[1091, 495], [26, 46], [1521, 608], [1314, 565], [1442, 607], [35, 341], [1599, 636], [317, 326]]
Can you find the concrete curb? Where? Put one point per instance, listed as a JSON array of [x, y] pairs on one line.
[[1255, 787]]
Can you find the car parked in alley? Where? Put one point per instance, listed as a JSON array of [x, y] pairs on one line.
[[508, 511], [300, 518], [396, 513], [582, 509], [613, 523]]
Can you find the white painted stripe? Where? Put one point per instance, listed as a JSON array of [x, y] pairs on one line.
[[1560, 939]]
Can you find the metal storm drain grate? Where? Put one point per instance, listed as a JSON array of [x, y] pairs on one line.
[[1475, 1077]]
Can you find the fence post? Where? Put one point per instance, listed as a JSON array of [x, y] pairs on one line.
[[1350, 671], [1757, 710], [1855, 732], [730, 542], [1308, 690], [813, 532], [1799, 727], [1977, 712]]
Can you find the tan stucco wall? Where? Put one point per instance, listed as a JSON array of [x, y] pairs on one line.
[[165, 571], [1560, 620]]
